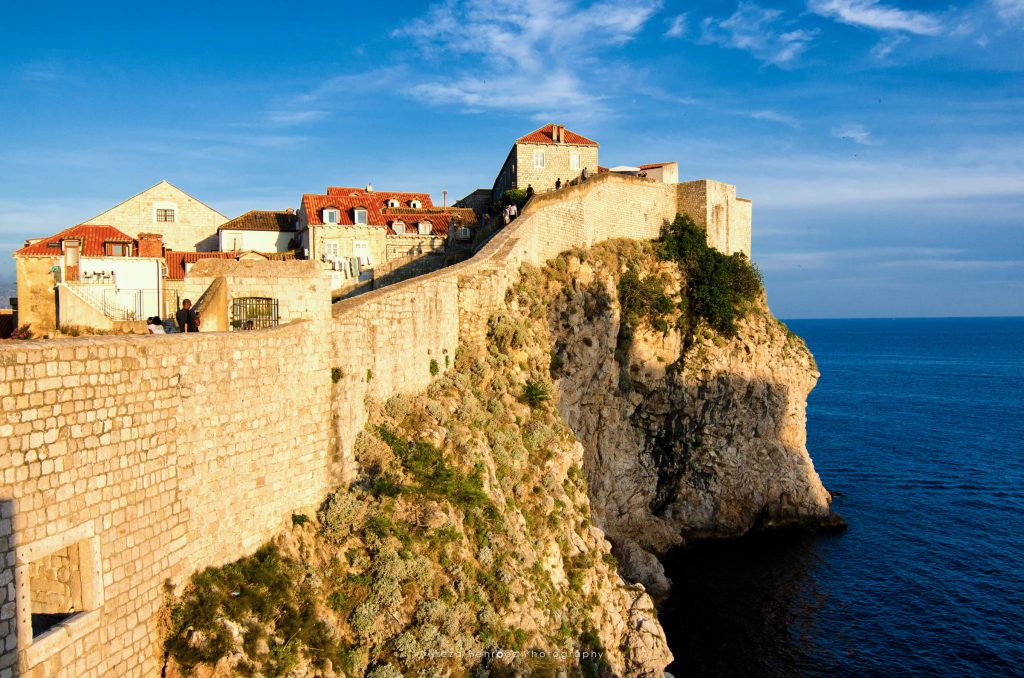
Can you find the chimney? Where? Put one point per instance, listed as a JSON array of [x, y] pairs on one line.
[[557, 134], [369, 188], [151, 245], [290, 210]]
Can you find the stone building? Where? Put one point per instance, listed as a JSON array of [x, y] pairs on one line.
[[349, 231], [543, 156], [91, 276], [184, 222]]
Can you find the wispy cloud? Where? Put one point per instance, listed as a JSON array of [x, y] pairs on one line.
[[871, 14], [855, 132], [775, 116], [887, 45], [537, 56], [296, 117], [1010, 11], [42, 71], [763, 32], [676, 26]]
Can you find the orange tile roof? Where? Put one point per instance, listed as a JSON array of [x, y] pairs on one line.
[[176, 261], [261, 220], [438, 222], [544, 135], [93, 238], [656, 164], [348, 199]]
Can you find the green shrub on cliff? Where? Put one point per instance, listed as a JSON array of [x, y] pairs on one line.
[[644, 300], [717, 285]]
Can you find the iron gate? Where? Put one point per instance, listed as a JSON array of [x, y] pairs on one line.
[[253, 313]]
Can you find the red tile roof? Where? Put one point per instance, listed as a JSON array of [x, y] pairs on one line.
[[176, 261], [93, 238], [438, 222], [348, 199], [544, 135], [655, 164]]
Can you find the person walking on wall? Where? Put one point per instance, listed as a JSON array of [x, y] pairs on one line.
[[558, 183], [583, 176], [188, 320], [513, 211], [529, 192]]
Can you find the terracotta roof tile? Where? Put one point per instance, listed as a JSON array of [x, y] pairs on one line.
[[545, 135], [261, 220], [93, 238], [348, 199], [655, 164], [176, 261]]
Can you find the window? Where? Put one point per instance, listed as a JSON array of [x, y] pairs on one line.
[[398, 227], [59, 584], [165, 215], [117, 249], [574, 160], [392, 203], [538, 159], [361, 248], [425, 227], [415, 204], [331, 216], [71, 253], [359, 215], [332, 250], [253, 313]]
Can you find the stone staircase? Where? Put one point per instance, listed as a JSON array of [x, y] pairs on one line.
[[95, 298]]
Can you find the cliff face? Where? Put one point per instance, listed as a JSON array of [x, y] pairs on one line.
[[481, 516], [684, 437]]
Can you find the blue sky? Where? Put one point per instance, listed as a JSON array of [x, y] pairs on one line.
[[881, 142]]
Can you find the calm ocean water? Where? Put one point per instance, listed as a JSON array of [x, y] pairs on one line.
[[918, 427]]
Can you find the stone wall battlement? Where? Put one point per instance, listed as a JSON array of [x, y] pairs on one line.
[[147, 458]]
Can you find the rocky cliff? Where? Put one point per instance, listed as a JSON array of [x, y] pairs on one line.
[[630, 392]]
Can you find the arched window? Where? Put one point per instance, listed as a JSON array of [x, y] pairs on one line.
[[415, 204], [393, 202]]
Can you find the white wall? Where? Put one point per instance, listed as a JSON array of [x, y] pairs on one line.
[[259, 241], [133, 279]]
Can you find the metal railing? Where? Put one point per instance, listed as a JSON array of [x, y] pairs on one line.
[[253, 313]]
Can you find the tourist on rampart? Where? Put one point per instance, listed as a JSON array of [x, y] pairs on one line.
[[155, 326], [584, 175], [529, 192], [513, 211], [188, 320], [558, 183]]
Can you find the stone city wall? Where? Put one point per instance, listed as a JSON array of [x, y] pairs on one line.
[[161, 455]]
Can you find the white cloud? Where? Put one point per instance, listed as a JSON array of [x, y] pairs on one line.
[[676, 27], [534, 55], [870, 14], [855, 132], [760, 31], [295, 117], [1010, 11], [775, 116], [887, 45]]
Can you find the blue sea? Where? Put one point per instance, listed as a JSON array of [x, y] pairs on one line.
[[917, 427]]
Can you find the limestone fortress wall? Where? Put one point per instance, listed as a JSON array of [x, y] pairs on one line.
[[139, 460]]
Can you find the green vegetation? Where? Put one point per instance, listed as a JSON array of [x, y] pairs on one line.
[[299, 519], [369, 375], [434, 367], [535, 393], [336, 374], [718, 286], [644, 300], [513, 196]]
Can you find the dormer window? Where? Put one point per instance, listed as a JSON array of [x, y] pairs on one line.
[[116, 249], [359, 215], [393, 203], [415, 204], [332, 216], [425, 227], [398, 227]]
